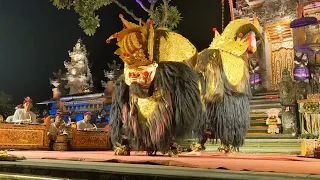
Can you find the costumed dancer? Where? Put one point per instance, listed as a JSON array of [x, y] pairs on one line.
[[157, 98], [225, 84]]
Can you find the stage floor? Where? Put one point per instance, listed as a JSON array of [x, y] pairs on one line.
[[280, 163]]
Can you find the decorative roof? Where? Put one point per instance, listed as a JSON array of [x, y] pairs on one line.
[[82, 97], [85, 102], [279, 32], [75, 98]]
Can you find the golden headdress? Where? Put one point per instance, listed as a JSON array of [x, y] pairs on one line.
[[233, 39], [142, 45], [133, 43], [232, 44]]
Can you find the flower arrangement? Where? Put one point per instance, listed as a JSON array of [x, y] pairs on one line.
[[311, 107], [4, 156]]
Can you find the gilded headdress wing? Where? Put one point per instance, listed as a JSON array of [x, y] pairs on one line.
[[232, 44], [142, 45]]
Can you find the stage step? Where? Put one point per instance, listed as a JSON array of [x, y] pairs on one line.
[[269, 136], [265, 106], [259, 104], [265, 97], [256, 116], [285, 146], [262, 110], [267, 93], [255, 101]]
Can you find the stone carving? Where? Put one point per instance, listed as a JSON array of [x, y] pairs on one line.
[[315, 80], [301, 90], [287, 92], [288, 101]]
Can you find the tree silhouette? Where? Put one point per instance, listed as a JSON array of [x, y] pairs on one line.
[[160, 13]]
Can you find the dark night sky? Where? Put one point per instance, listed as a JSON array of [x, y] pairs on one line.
[[35, 38]]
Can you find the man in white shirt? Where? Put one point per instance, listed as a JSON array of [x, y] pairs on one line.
[[24, 115], [85, 125]]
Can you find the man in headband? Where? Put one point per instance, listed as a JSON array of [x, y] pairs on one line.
[[85, 125], [24, 115], [56, 128]]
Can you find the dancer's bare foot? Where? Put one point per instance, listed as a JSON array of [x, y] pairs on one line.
[[174, 150], [226, 149], [196, 149], [122, 150]]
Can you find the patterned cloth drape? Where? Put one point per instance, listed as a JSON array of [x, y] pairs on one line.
[[280, 59]]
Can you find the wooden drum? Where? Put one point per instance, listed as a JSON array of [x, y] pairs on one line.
[[60, 147], [61, 139], [60, 144]]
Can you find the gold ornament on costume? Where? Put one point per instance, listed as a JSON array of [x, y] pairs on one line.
[[147, 106], [136, 45], [133, 43], [236, 40]]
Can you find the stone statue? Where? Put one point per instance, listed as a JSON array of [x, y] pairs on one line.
[[315, 80], [288, 102], [301, 90], [287, 92]]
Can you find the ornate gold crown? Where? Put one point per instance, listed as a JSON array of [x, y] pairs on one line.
[[233, 39], [136, 45]]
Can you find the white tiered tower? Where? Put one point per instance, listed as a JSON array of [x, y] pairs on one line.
[[79, 76]]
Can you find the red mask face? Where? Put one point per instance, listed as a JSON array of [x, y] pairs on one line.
[[252, 42], [142, 75]]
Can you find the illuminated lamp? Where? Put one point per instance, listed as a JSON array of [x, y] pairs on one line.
[[301, 73], [255, 78], [305, 21]]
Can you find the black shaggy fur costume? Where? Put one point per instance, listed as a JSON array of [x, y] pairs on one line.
[[176, 92], [227, 111]]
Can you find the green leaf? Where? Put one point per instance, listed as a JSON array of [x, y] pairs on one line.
[[173, 19], [88, 21], [62, 4]]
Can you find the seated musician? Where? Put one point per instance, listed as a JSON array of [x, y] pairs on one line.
[[56, 128], [24, 115], [10, 118], [85, 125]]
